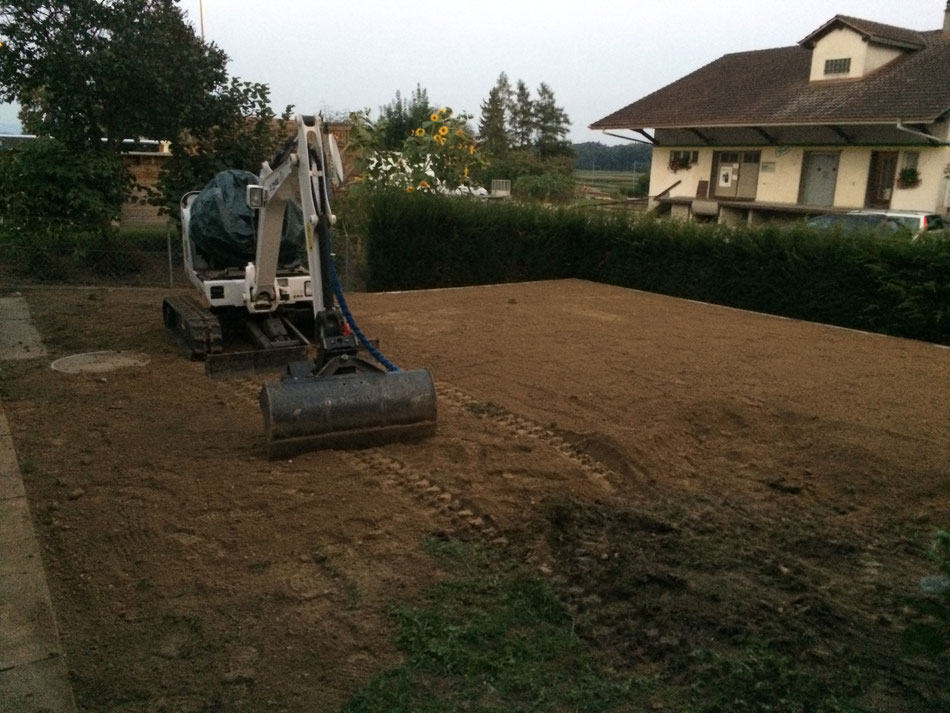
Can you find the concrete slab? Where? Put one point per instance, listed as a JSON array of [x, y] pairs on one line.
[[33, 673], [11, 484], [26, 613], [18, 337], [38, 687]]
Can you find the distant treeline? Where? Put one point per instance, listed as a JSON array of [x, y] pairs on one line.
[[593, 155]]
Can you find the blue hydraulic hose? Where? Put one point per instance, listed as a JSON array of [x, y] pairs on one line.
[[347, 315]]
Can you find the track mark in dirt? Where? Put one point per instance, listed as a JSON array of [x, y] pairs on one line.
[[521, 427], [423, 486], [441, 502]]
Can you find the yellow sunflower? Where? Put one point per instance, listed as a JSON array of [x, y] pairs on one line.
[[459, 132], [471, 149], [410, 189], [434, 117], [443, 130], [423, 184], [420, 131]]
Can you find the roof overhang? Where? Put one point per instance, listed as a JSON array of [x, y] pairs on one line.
[[809, 41], [888, 121]]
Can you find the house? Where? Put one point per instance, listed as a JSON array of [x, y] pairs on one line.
[[856, 115]]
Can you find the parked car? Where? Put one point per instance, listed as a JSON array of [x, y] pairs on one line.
[[915, 221], [885, 222], [856, 222]]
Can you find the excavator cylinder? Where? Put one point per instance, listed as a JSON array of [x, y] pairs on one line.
[[347, 410]]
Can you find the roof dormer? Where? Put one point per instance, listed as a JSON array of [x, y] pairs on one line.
[[851, 48]]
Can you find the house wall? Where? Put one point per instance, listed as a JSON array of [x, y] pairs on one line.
[[843, 42], [144, 167], [932, 193], [780, 173]]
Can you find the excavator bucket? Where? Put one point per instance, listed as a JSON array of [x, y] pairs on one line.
[[352, 410]]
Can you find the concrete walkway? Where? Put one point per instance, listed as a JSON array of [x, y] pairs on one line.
[[33, 674]]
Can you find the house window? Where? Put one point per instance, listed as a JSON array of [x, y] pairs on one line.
[[909, 159], [689, 157], [682, 159], [838, 66]]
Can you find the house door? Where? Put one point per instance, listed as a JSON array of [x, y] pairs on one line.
[[748, 175], [735, 174], [881, 179], [726, 177], [819, 176]]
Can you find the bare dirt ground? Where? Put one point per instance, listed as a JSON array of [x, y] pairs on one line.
[[686, 476]]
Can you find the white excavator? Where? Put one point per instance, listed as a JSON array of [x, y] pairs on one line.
[[338, 390]]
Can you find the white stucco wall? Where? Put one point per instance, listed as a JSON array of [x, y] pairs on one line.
[[838, 44], [843, 42], [781, 185], [931, 194], [661, 177]]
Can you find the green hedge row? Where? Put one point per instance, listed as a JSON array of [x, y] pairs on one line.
[[888, 285]]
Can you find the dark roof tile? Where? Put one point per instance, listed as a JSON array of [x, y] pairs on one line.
[[771, 87]]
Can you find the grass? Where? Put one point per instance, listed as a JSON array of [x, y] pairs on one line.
[[491, 638]]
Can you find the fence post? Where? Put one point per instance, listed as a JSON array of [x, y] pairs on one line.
[[168, 246]]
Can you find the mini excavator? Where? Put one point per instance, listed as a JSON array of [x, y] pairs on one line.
[[331, 394]]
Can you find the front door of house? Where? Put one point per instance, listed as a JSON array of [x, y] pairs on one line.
[[735, 174], [819, 177], [881, 179]]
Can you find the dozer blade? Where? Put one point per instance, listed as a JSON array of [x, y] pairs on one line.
[[347, 410], [235, 364]]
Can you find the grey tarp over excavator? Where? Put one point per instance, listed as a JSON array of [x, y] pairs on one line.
[[288, 315]]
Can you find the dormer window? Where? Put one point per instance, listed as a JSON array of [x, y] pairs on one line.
[[837, 66]]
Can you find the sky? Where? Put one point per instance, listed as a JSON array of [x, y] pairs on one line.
[[339, 57]]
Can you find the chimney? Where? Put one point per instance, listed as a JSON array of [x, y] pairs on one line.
[[946, 20]]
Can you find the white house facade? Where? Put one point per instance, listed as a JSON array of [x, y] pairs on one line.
[[857, 115]]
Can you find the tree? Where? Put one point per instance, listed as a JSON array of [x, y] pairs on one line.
[[521, 118], [493, 125], [240, 131], [93, 71], [551, 125], [399, 118]]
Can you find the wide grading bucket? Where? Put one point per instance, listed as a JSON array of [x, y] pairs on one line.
[[347, 410]]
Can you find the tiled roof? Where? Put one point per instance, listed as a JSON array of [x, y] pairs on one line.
[[873, 31], [772, 87]]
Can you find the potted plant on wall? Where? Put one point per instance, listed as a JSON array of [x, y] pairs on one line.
[[908, 178], [678, 164]]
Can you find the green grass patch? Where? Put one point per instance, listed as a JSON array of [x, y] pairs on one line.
[[492, 637]]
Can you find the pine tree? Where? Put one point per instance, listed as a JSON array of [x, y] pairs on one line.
[[402, 117], [492, 133], [522, 118], [551, 125]]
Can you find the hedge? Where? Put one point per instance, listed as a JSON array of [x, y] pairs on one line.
[[889, 285]]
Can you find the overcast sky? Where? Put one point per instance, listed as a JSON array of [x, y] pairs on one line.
[[597, 58]]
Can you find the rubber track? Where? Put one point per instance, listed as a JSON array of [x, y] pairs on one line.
[[199, 332], [519, 426]]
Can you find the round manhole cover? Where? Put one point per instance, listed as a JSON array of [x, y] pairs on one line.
[[96, 362]]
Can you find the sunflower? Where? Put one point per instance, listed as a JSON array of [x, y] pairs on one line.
[[423, 184], [443, 130], [420, 131], [434, 117], [410, 189], [471, 150], [459, 132]]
